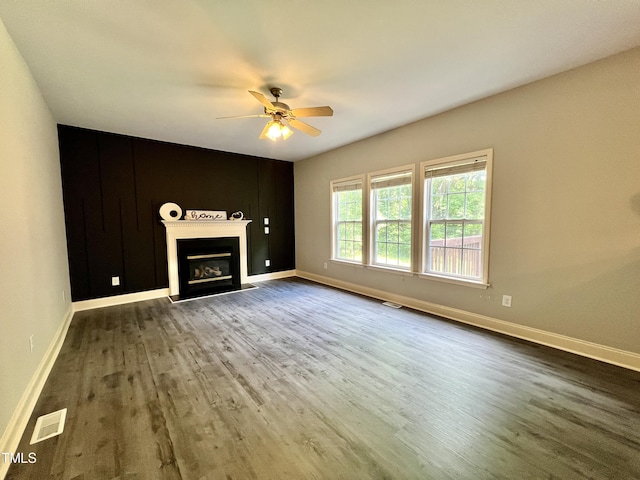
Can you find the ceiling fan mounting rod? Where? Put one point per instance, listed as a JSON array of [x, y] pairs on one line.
[[276, 92]]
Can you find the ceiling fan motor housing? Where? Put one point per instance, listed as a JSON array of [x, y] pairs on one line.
[[281, 107]]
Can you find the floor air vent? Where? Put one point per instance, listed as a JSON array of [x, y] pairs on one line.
[[49, 425], [392, 305]]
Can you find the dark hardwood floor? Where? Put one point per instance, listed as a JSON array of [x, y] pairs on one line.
[[298, 381]]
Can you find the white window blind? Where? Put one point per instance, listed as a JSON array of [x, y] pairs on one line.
[[444, 170], [391, 180]]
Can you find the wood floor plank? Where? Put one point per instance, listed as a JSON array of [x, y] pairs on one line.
[[294, 380]]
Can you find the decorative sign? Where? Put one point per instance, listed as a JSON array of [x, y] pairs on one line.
[[211, 215]]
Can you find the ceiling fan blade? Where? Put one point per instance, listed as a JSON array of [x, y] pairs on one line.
[[303, 127], [244, 116], [313, 112], [262, 99]]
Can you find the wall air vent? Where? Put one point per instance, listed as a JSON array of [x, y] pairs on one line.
[[392, 305], [48, 426]]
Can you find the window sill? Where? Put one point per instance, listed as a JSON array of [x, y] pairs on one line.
[[407, 273], [346, 262], [397, 271], [455, 281]]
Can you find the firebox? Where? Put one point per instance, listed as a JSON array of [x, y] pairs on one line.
[[208, 265]]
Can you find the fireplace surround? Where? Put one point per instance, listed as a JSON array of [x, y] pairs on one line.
[[213, 267], [208, 265]]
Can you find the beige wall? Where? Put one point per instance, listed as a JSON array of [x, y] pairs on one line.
[[33, 258], [565, 233]]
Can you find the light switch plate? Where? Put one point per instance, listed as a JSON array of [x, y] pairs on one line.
[[506, 300]]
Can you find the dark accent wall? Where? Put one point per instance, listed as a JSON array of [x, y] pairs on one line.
[[114, 185]]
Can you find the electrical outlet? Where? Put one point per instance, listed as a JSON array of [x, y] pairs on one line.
[[115, 281], [266, 230], [267, 263], [31, 343], [325, 265], [266, 220], [506, 300]]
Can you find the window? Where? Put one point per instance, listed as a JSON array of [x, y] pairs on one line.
[[456, 211], [373, 221], [347, 219], [391, 206]]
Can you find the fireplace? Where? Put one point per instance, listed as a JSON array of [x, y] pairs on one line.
[[208, 265], [202, 254]]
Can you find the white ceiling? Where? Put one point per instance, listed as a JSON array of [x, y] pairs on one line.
[[166, 69]]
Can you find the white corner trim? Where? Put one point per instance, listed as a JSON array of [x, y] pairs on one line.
[[119, 299], [621, 358], [271, 276], [18, 422]]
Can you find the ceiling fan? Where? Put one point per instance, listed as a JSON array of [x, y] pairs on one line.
[[282, 116]]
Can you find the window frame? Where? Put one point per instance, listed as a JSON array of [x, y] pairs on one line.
[[483, 280], [371, 223], [355, 179]]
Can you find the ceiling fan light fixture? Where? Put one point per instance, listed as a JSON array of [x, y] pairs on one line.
[[276, 129], [286, 132], [283, 118]]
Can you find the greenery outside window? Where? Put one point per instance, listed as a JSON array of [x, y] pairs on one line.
[[347, 220], [456, 211], [391, 218]]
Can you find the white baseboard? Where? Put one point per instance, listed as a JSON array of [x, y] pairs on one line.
[[271, 276], [120, 299], [160, 293], [21, 415], [621, 358]]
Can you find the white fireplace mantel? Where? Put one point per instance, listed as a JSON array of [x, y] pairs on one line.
[[181, 229]]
